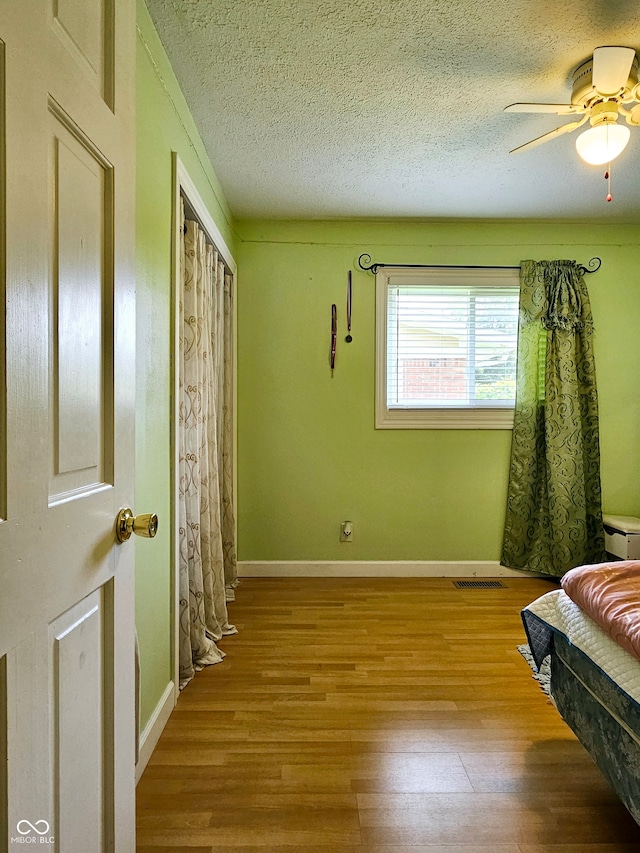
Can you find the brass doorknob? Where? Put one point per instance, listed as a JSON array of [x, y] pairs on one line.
[[142, 525]]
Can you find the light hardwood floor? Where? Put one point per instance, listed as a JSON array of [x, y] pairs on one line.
[[378, 715]]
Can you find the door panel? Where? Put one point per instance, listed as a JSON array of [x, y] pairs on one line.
[[3, 395], [85, 28], [80, 664], [3, 753], [66, 584], [82, 252]]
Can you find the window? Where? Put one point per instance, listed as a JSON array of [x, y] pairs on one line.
[[446, 348]]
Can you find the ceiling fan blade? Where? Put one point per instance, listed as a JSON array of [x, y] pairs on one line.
[[546, 137], [558, 109], [611, 68], [634, 116]]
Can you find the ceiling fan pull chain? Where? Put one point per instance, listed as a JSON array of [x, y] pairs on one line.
[[607, 176]]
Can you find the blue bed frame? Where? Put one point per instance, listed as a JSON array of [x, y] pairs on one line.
[[605, 719]]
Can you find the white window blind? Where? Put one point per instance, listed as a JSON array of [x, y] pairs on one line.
[[450, 342]]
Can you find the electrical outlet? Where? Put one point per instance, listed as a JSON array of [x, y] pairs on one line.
[[346, 531]]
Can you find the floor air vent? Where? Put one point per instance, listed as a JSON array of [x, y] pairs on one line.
[[479, 585]]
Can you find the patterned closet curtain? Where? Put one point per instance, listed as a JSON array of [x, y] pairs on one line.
[[554, 513], [206, 524]]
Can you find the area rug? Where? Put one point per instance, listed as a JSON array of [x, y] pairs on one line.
[[544, 676]]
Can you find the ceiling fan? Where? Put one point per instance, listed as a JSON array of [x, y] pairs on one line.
[[604, 87]]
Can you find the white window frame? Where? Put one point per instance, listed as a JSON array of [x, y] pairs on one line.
[[433, 418]]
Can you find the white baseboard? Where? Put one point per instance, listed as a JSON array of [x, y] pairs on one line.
[[152, 731], [377, 569]]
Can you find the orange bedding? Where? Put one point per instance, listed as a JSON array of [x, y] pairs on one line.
[[610, 594]]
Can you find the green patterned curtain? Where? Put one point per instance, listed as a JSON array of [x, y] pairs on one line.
[[554, 513]]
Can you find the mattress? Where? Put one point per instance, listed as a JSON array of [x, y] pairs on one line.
[[556, 612]]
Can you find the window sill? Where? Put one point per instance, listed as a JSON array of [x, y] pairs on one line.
[[490, 418]]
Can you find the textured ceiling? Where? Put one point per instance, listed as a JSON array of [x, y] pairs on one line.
[[393, 108]]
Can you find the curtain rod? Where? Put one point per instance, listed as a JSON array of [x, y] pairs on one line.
[[592, 266]]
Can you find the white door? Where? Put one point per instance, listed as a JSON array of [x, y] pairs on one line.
[[66, 425]]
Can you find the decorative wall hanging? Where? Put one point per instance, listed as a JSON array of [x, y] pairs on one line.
[[348, 339], [334, 335]]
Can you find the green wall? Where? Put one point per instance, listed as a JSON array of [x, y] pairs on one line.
[[164, 124], [309, 456]]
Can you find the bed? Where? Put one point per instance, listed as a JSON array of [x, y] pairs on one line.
[[591, 630]]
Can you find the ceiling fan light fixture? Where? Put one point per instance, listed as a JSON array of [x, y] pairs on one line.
[[602, 143]]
